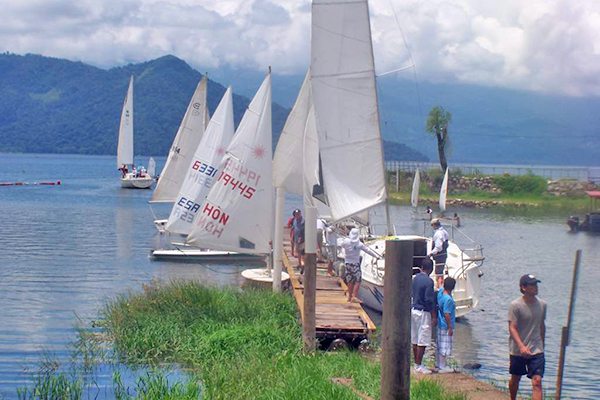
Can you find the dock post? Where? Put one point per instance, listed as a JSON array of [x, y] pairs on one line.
[[395, 363], [278, 239], [310, 280], [565, 337]]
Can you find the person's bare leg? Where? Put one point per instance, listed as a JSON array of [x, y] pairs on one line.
[[330, 269], [536, 383], [419, 356], [350, 290], [355, 294], [513, 386]]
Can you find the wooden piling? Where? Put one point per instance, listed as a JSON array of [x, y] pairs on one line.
[[395, 363]]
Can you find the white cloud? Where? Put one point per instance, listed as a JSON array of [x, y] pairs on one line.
[[546, 45]]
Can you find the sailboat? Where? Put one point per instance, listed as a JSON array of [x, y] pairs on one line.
[[414, 197], [344, 99], [199, 178], [236, 214], [131, 178], [181, 153], [443, 193]]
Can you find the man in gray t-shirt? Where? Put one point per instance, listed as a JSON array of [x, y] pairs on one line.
[[527, 330]]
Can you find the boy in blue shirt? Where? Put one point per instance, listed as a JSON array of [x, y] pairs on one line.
[[446, 320]]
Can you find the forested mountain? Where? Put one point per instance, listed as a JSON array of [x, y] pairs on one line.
[[51, 105]]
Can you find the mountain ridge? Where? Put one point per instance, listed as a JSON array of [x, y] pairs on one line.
[[52, 105]]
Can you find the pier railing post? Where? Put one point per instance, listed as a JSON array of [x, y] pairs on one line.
[[278, 239], [395, 363], [310, 280]]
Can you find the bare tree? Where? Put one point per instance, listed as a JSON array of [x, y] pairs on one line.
[[437, 124]]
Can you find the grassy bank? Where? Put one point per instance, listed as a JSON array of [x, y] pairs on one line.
[[238, 344], [539, 203], [509, 192], [232, 344]]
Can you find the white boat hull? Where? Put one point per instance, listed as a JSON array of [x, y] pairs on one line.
[[132, 182], [200, 255], [460, 266]]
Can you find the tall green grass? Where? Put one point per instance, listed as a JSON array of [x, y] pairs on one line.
[[241, 345], [231, 344]]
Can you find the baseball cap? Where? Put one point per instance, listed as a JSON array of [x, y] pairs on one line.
[[528, 280], [435, 221]]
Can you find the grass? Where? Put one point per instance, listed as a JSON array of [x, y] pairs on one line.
[[240, 345], [232, 344], [540, 202]]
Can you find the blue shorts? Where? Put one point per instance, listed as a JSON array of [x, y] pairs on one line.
[[529, 366]]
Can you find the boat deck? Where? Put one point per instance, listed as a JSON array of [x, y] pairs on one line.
[[335, 316]]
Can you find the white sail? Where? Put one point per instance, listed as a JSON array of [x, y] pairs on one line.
[[238, 211], [345, 101], [184, 146], [152, 167], [314, 195], [288, 158], [125, 146], [444, 192], [414, 196], [203, 170]]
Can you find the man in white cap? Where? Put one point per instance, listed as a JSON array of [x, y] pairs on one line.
[[439, 250], [527, 333], [353, 276]]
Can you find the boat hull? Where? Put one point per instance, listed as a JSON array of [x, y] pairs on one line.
[[461, 267], [137, 183], [199, 255]]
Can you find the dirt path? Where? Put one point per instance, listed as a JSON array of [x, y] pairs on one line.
[[467, 384]]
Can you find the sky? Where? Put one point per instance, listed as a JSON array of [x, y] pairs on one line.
[[550, 46]]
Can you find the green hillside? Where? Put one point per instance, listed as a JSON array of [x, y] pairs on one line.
[[52, 105]]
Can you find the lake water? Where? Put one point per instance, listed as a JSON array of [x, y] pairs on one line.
[[66, 250]]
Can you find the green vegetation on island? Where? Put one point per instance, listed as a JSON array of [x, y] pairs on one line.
[[529, 192]]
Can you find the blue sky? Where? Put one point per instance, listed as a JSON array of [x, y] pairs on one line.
[[540, 45]]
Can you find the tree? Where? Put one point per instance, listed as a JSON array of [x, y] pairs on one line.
[[437, 124]]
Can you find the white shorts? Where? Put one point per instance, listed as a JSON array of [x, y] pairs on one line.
[[420, 327]]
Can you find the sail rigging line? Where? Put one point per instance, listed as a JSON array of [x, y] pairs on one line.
[[410, 58], [395, 70]]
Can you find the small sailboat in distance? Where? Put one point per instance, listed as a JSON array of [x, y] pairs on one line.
[[443, 193], [131, 177]]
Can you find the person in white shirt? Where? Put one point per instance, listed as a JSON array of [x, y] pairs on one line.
[[320, 236], [352, 247], [439, 252], [331, 249]]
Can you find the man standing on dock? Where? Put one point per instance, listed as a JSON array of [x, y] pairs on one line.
[[352, 248], [527, 331], [422, 314]]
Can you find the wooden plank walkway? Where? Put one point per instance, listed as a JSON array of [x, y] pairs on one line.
[[335, 316]]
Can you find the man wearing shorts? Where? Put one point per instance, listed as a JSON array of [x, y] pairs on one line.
[[527, 331], [352, 248], [439, 250], [422, 314]]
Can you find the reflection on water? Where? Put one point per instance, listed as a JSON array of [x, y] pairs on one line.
[[67, 249]]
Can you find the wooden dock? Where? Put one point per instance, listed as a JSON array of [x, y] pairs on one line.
[[335, 316]]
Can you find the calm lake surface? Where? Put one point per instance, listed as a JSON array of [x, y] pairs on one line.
[[66, 250]]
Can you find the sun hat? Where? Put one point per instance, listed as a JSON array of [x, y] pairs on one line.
[[528, 280], [354, 234]]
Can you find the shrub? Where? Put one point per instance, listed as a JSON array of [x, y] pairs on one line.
[[521, 184]]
